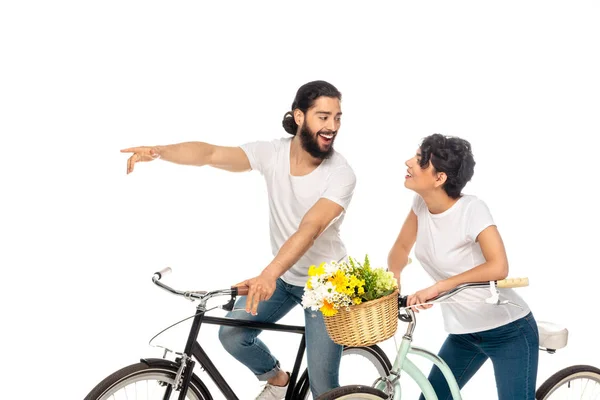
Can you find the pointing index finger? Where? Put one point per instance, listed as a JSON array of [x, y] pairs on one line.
[[130, 150]]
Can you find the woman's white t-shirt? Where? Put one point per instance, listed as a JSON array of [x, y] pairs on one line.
[[446, 246]]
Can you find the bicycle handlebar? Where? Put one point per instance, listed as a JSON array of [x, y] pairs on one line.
[[512, 282], [503, 283], [197, 295], [163, 272], [243, 290]]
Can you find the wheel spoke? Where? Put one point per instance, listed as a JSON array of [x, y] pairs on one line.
[[576, 383], [140, 382]]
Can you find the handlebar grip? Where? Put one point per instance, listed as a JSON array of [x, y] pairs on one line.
[[240, 290], [512, 282], [163, 272]]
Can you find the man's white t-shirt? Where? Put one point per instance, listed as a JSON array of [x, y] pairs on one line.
[[290, 197], [446, 246]]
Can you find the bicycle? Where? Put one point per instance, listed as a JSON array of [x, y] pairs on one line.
[[168, 379], [552, 338]]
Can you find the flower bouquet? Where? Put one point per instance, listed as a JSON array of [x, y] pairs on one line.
[[359, 303]]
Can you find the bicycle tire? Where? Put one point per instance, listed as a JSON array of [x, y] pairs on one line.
[[373, 353], [566, 376], [353, 392], [161, 372]]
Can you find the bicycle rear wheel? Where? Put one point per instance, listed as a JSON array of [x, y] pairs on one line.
[[575, 382], [142, 381]]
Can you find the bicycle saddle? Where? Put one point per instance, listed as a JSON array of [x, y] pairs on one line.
[[552, 336]]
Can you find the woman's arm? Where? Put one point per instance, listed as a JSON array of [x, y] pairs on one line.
[[398, 255], [494, 268]]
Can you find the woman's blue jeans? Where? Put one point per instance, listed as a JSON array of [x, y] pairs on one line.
[[513, 349]]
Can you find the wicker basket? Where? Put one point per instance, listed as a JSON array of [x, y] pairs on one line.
[[365, 324]]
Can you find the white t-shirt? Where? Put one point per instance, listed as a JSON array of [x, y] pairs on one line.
[[446, 247], [290, 197]]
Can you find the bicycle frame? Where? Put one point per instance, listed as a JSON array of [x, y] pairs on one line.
[[193, 349], [391, 384]]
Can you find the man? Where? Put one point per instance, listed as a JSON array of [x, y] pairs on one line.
[[310, 186]]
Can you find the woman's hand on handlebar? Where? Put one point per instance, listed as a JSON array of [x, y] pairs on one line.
[[422, 296]]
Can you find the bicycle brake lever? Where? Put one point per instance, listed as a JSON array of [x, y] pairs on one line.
[[511, 303], [229, 305], [494, 295]]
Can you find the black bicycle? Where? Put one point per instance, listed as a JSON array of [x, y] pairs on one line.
[[161, 378]]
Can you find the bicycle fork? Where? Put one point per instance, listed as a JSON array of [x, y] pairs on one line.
[[390, 385], [185, 361]]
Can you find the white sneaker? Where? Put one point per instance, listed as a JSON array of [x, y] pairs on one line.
[[272, 392]]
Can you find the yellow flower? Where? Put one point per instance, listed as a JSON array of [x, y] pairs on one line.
[[355, 286], [340, 281], [314, 271], [354, 281], [327, 309], [309, 284], [357, 300]]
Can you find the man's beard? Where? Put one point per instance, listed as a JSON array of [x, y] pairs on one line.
[[310, 143]]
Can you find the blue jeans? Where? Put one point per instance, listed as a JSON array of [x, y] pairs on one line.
[[513, 349], [323, 355]]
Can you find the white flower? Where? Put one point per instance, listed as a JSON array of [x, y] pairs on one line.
[[331, 268], [309, 300]]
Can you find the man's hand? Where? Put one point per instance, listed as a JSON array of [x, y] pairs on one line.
[[422, 296], [140, 154], [260, 288]]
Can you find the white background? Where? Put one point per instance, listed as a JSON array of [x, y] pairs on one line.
[[81, 80]]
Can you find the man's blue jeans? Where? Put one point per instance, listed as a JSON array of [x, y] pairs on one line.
[[323, 355], [513, 349]]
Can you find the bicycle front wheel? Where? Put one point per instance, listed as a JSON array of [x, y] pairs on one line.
[[142, 381], [358, 365], [575, 382], [353, 392]]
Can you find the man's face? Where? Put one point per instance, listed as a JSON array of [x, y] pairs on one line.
[[320, 127]]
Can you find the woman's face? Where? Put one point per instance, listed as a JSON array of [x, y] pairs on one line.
[[421, 179]]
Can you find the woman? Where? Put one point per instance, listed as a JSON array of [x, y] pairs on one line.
[[456, 241]]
